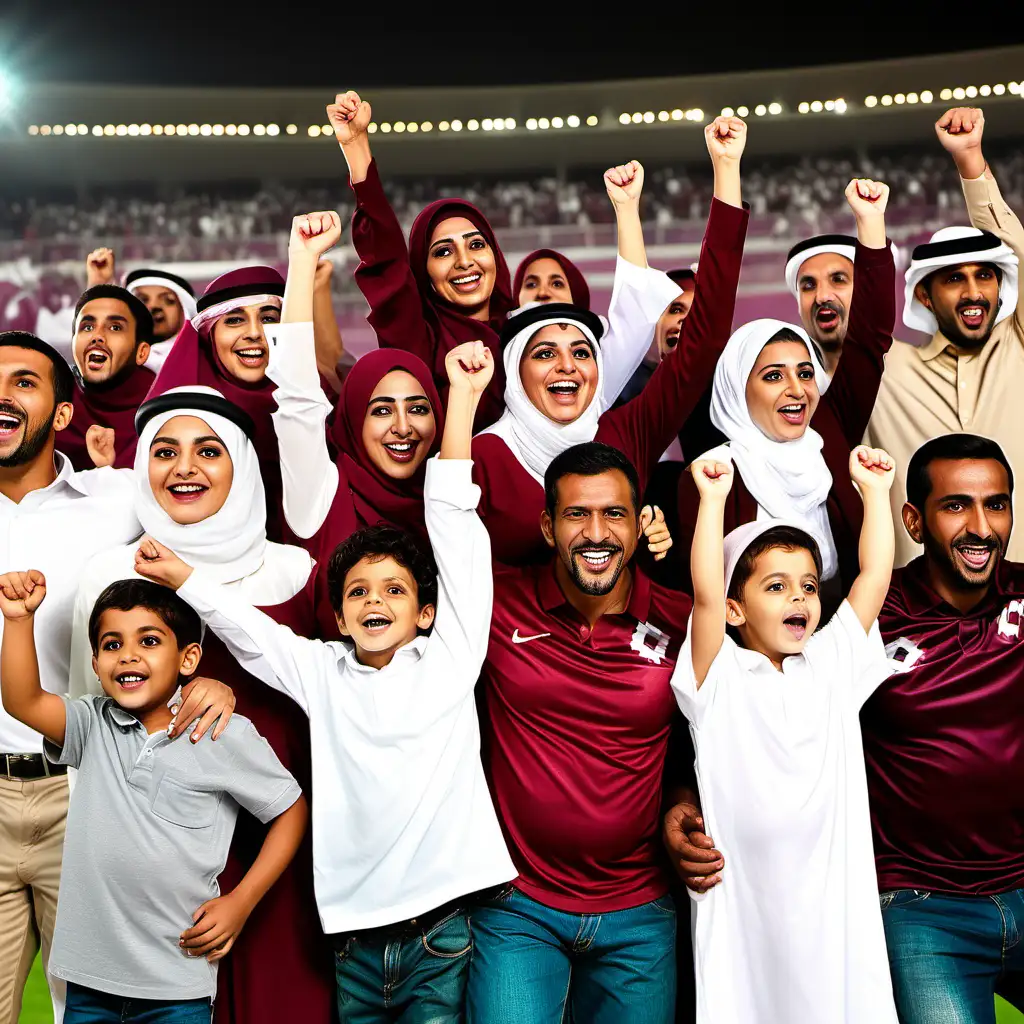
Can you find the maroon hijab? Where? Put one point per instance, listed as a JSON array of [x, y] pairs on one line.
[[573, 276], [375, 495], [194, 360], [109, 407]]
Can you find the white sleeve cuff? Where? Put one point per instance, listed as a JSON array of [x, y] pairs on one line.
[[292, 362]]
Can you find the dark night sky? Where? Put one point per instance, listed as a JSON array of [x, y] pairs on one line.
[[149, 42]]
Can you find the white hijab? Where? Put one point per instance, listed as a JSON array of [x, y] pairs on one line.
[[788, 479], [532, 438], [231, 544]]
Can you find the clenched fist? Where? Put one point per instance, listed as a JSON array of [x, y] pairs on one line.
[[314, 233], [625, 182], [725, 138], [349, 116], [99, 267], [960, 130], [866, 197]]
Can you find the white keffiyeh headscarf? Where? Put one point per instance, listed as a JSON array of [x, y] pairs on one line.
[[788, 479]]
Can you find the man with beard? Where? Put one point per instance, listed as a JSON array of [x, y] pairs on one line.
[[112, 336], [942, 740], [170, 299], [53, 519], [819, 273], [961, 288], [578, 709]]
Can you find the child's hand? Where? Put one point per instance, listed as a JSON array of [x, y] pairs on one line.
[[470, 366], [160, 564], [314, 233], [713, 478], [871, 469], [655, 529], [625, 182], [21, 593], [217, 924], [867, 198]]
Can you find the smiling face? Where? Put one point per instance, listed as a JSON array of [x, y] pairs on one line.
[[965, 524], [782, 392], [825, 285], [239, 341], [28, 409], [105, 342], [168, 316], [666, 333], [399, 426], [594, 529], [380, 609], [190, 470], [559, 372], [461, 266], [778, 608], [544, 281], [137, 659], [965, 301]]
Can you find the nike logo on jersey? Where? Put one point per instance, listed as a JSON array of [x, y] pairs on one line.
[[517, 639]]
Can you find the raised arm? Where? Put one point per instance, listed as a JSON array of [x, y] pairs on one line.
[[960, 132], [707, 565], [99, 267], [639, 293], [872, 470], [23, 696], [853, 390], [263, 647], [326, 332], [646, 426], [309, 475], [462, 547], [383, 275]]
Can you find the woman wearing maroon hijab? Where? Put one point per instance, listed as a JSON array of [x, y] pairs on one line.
[[547, 276], [370, 465], [112, 335], [451, 284], [224, 347]]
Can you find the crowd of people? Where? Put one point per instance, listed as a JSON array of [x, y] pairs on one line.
[[545, 663]]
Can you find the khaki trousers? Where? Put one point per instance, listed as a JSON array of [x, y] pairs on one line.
[[32, 819]]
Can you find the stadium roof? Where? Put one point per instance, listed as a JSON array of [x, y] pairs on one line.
[[88, 133]]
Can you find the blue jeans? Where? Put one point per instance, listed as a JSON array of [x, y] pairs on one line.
[[949, 955], [411, 980], [535, 965], [87, 1006]]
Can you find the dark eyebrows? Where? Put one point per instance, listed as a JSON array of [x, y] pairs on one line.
[[588, 509], [115, 633], [468, 234], [24, 371], [394, 401], [782, 366], [164, 439], [152, 629], [549, 343], [968, 499], [206, 438]]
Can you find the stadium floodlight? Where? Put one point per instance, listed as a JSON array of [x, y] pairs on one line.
[[742, 111], [472, 124], [412, 126], [292, 129], [556, 122], [999, 89], [426, 126], [444, 126], [510, 122], [592, 120], [624, 118], [926, 96], [572, 121], [774, 108]]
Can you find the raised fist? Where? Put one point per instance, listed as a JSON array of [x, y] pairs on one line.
[[314, 233], [871, 468], [349, 116], [960, 130], [99, 267], [100, 444], [725, 138], [470, 365], [713, 478], [625, 182], [324, 270], [867, 197], [160, 564], [21, 593]]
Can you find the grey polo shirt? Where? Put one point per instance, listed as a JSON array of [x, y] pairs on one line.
[[149, 826]]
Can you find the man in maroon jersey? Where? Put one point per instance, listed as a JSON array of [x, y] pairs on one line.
[[578, 712], [944, 741]]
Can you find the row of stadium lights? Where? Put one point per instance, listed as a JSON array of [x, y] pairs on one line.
[[837, 106]]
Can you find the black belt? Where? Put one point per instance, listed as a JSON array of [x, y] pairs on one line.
[[29, 766], [418, 925]]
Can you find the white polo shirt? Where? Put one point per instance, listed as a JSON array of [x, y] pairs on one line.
[[57, 529]]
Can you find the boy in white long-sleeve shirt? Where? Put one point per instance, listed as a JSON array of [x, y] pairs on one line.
[[793, 932], [403, 825]]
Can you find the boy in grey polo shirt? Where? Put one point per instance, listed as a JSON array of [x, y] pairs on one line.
[[140, 919]]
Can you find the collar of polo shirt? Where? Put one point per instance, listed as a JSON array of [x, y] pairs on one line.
[[920, 597], [551, 596]]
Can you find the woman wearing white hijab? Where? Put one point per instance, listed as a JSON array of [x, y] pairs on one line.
[[770, 386], [554, 398], [199, 492]]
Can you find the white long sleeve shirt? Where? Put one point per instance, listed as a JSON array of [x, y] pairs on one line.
[[309, 475], [402, 817]]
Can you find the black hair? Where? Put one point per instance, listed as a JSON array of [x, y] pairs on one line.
[[592, 458], [375, 543], [62, 377], [124, 595], [141, 315], [949, 446], [789, 538]]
